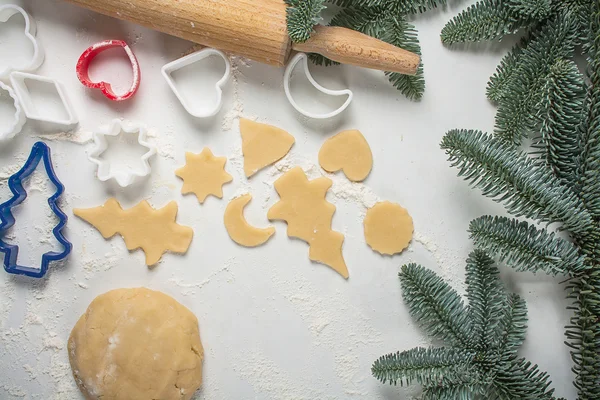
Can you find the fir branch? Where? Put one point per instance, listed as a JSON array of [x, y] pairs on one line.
[[302, 16], [460, 391], [399, 7], [426, 366], [519, 379], [504, 72], [510, 177], [485, 20], [520, 107], [486, 300], [524, 247], [534, 9], [512, 326], [435, 305], [562, 112]]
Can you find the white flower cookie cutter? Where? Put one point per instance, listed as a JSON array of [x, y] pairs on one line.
[[8, 129], [6, 12], [173, 66], [17, 79], [286, 86], [124, 176]]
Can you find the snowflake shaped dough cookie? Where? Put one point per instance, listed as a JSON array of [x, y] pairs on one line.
[[204, 175]]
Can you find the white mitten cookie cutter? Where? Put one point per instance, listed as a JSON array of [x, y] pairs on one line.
[[10, 129], [173, 66], [17, 79], [123, 176], [7, 11], [286, 86]]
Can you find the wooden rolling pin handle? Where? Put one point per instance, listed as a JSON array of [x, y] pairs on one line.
[[350, 47]]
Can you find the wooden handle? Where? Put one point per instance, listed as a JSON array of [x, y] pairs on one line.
[[350, 47], [255, 29]]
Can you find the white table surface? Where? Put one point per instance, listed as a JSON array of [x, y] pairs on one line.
[[273, 324]]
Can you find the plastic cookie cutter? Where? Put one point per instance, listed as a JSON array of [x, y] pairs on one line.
[[124, 176], [8, 129], [183, 62], [83, 66], [7, 11], [31, 111], [39, 152], [286, 86]]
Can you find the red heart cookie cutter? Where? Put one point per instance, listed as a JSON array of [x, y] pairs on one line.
[[83, 65]]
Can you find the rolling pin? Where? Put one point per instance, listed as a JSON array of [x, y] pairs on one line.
[[255, 29]]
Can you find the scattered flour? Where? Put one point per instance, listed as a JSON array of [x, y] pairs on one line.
[[238, 106], [189, 289], [78, 137]]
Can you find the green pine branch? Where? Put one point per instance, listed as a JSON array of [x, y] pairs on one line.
[[435, 305], [535, 9], [504, 72], [399, 7], [485, 20], [510, 177], [302, 16], [526, 248], [472, 369]]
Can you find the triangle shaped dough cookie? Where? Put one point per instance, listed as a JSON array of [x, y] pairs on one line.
[[263, 145]]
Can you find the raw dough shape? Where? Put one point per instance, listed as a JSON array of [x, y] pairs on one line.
[[309, 215], [136, 344], [348, 151], [239, 230], [388, 228], [204, 174], [154, 231], [263, 145]]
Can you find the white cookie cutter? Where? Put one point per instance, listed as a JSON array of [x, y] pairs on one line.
[[22, 91], [286, 86], [173, 66], [7, 11], [8, 131], [123, 176]]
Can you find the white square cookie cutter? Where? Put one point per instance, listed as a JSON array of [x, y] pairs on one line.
[[17, 79], [124, 176], [301, 57], [6, 12], [183, 62], [8, 129]]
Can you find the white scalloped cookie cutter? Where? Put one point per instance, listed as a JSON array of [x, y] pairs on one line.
[[17, 79], [8, 129], [286, 86], [183, 62], [124, 176], [6, 12]]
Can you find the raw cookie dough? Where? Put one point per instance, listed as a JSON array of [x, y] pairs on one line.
[[263, 145], [388, 228], [239, 230], [347, 151], [309, 215], [204, 174], [136, 344], [154, 231]]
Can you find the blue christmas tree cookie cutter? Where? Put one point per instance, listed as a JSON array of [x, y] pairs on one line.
[[39, 152]]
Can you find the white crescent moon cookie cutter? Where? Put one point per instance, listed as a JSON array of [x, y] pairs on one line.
[[124, 176], [6, 12], [17, 79], [286, 86], [8, 129], [183, 62]]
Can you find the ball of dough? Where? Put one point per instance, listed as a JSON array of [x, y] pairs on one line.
[[136, 344]]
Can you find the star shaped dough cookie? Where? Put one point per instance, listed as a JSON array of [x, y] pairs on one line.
[[203, 174]]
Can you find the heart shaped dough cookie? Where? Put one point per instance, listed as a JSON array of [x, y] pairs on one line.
[[348, 151]]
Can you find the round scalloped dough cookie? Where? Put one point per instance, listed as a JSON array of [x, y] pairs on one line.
[[388, 228], [136, 344]]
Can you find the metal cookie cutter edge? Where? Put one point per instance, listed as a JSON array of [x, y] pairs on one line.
[[286, 86], [20, 88], [6, 12], [17, 125], [173, 66], [105, 172], [40, 151]]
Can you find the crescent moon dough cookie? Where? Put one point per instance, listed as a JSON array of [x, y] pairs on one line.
[[136, 344], [239, 229]]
